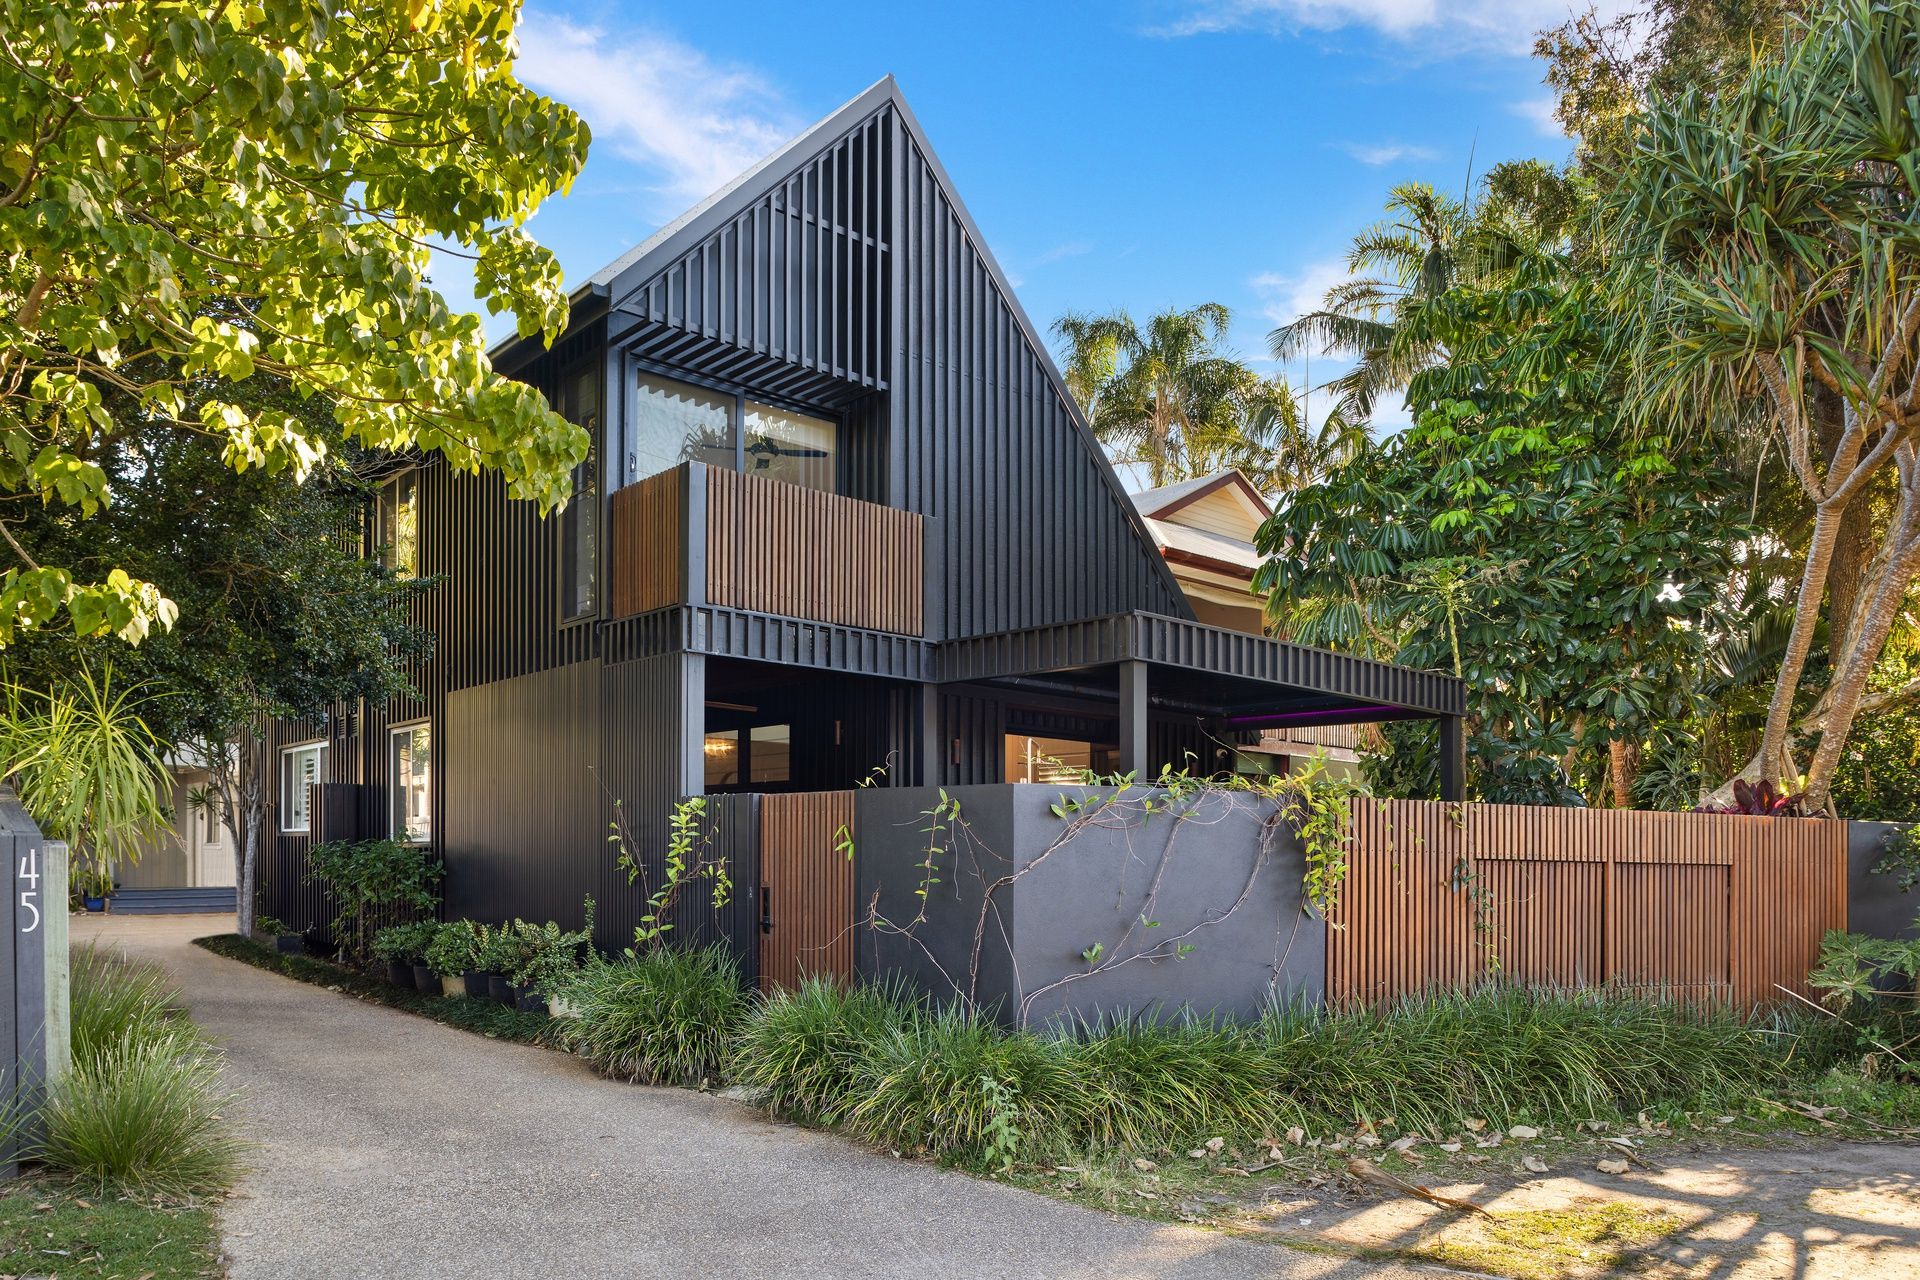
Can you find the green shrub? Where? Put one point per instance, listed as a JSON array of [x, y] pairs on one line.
[[808, 1049], [114, 1000], [405, 943], [143, 1115], [657, 1017], [369, 877], [455, 948]]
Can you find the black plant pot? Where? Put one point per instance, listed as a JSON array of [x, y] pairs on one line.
[[500, 989], [476, 983], [426, 980], [399, 973], [527, 1000], [289, 944]]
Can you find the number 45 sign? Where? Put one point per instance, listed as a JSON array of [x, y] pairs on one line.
[[28, 882]]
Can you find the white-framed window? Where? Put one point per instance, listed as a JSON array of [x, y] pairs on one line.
[[410, 765], [300, 767]]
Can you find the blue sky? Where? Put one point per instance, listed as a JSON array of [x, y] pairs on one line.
[[1137, 154]]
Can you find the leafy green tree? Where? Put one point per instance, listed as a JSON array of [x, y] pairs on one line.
[[1522, 536], [1168, 398], [1761, 240], [282, 615], [196, 195]]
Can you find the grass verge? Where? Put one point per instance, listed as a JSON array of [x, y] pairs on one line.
[[483, 1017], [51, 1227]]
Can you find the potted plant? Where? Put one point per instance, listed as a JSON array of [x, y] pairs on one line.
[[92, 885], [286, 939], [499, 955], [403, 948], [551, 957], [451, 956]]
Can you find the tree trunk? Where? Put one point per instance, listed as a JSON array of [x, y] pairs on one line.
[[1850, 679], [1624, 758], [1775, 762], [1854, 541]]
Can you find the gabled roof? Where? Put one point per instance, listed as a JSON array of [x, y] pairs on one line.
[[624, 279], [1163, 502]]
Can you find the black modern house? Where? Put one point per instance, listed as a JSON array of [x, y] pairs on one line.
[[842, 524]]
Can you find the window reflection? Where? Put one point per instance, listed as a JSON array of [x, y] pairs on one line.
[[672, 423], [789, 446]]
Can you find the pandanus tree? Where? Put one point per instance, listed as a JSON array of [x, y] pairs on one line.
[[1766, 257], [1168, 397]]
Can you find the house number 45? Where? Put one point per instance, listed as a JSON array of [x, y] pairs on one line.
[[30, 876]]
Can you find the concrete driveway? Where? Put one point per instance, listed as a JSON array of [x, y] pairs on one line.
[[391, 1147]]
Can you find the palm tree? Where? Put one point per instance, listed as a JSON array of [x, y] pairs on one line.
[[1413, 253], [1167, 398]]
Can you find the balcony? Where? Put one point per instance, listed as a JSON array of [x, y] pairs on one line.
[[703, 535]]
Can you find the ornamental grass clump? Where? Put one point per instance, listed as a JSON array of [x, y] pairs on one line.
[[807, 1050], [657, 1017], [1507, 1053], [952, 1083], [113, 999], [141, 1108], [1153, 1082], [143, 1115]]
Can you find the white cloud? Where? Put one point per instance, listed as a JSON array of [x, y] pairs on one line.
[[1379, 153], [1501, 26], [1539, 110], [658, 102], [1286, 296]]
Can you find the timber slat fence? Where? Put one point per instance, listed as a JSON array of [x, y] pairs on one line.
[[1704, 906]]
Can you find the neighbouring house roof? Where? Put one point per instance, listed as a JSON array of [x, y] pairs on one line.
[[1207, 522]]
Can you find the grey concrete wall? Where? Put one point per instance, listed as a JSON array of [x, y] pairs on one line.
[[1223, 877], [1874, 904]]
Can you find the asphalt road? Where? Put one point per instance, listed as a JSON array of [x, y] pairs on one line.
[[392, 1148]]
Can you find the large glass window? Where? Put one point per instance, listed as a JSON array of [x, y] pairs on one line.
[[756, 756], [300, 768], [399, 531], [580, 523], [783, 445], [411, 768], [1055, 761], [672, 423]]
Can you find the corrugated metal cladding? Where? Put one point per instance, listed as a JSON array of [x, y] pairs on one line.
[[970, 427]]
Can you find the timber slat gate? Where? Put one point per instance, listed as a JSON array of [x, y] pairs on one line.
[[1703, 906], [806, 887]]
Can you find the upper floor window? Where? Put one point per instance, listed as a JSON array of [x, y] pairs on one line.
[[671, 422], [783, 445], [398, 534], [579, 403], [300, 768], [410, 765]]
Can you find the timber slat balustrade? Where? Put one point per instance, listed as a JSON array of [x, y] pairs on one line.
[[646, 544], [771, 548], [806, 883], [1714, 907]]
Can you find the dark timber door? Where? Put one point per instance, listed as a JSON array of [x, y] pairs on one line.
[[806, 887]]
